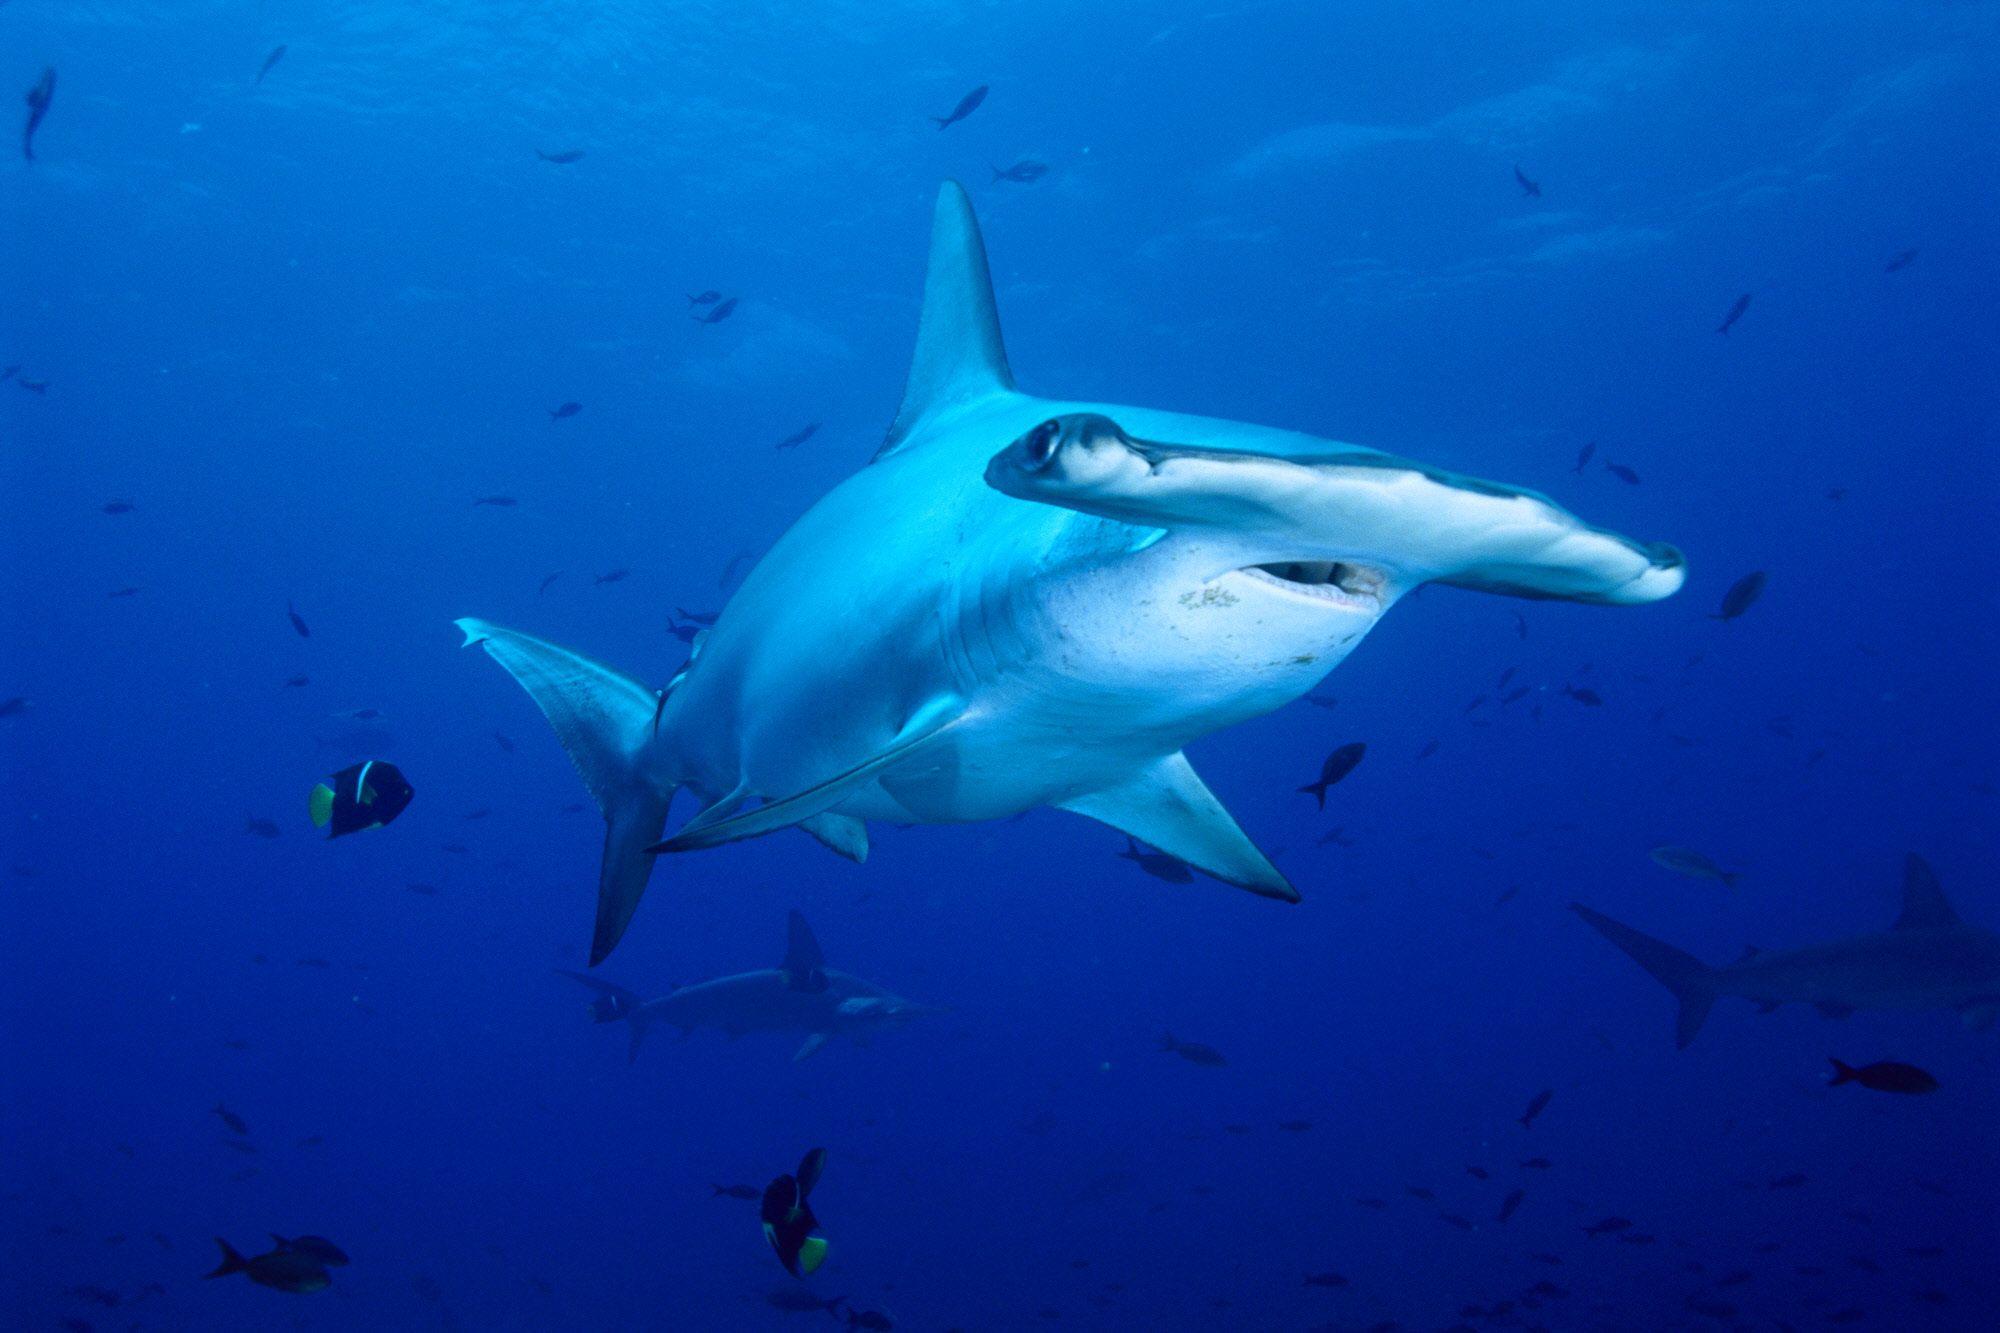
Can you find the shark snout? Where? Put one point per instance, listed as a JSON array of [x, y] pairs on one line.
[[1064, 458]]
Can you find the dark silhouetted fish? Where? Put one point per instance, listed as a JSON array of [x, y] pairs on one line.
[[966, 106], [263, 828], [364, 796], [1336, 766], [1884, 1076], [1584, 455], [544, 585], [1025, 172], [281, 1270], [119, 506], [129, 590], [1687, 861], [32, 386], [716, 313], [686, 634], [1742, 595], [1584, 695], [746, 1192], [1320, 699], [236, 1123], [1735, 313], [1532, 189], [39, 97], [795, 1300], [503, 741], [562, 411], [297, 682], [1478, 1173], [1328, 1279], [799, 436], [705, 298], [1158, 864], [1902, 259], [313, 1247], [1536, 1107], [1192, 1051], [1295, 1126], [1509, 1204], [562, 157], [270, 62], [298, 621], [613, 576], [497, 501], [1608, 1226], [1623, 473], [1520, 625]]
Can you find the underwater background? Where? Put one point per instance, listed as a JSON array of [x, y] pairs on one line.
[[275, 334]]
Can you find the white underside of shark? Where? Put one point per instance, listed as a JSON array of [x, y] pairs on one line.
[[1026, 602]]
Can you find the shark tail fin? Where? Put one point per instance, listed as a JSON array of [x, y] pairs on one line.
[[1682, 973], [960, 357], [604, 719]]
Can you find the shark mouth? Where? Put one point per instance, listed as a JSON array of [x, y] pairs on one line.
[[1339, 581]]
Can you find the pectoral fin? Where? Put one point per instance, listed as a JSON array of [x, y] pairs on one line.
[[1167, 805], [937, 717], [843, 834]]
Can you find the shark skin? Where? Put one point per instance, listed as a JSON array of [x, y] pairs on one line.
[[801, 995], [1026, 601], [1930, 959]]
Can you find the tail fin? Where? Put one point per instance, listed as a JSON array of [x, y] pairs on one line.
[[1841, 1073], [604, 720], [1683, 974], [232, 1262], [1318, 792]]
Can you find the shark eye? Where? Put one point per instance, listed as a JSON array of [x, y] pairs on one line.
[[1040, 444]]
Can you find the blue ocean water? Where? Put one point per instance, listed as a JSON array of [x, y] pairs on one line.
[[299, 326]]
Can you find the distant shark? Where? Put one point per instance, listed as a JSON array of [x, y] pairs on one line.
[[1928, 960], [1025, 602], [801, 994]]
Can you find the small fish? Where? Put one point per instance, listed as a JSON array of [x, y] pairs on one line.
[[1539, 1104], [1735, 313], [1742, 595], [270, 62], [703, 618], [263, 828], [1623, 473], [794, 1300], [1902, 259], [1420, 1192], [1687, 861], [297, 682], [313, 1247], [1584, 695], [236, 1123], [1025, 172], [1462, 1223], [1529, 189], [613, 576], [966, 106], [1295, 1126], [788, 1217], [1520, 625], [1337, 836], [38, 99], [497, 501], [1320, 700], [1478, 1173], [1534, 1164], [745, 1192], [1509, 1204], [1507, 895], [1328, 1279], [362, 796], [1608, 1226], [562, 157], [314, 961], [1192, 1051], [874, 1321], [129, 590], [544, 586], [1884, 1076], [1789, 1182], [563, 411], [422, 889], [1430, 748], [704, 298], [298, 621], [118, 507], [281, 1270], [718, 312], [1336, 766], [1583, 456], [799, 436], [13, 707], [1157, 864], [1377, 1204], [32, 386]]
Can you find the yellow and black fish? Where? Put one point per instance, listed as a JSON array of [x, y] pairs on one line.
[[789, 1223], [365, 796]]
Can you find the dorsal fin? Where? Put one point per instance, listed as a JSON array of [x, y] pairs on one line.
[[1924, 902], [959, 357], [804, 966]]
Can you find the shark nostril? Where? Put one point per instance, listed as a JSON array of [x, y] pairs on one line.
[[1040, 444]]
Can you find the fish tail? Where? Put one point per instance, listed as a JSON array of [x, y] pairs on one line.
[[1729, 877], [1167, 1042], [1318, 792], [1842, 1073], [1690, 979], [232, 1262]]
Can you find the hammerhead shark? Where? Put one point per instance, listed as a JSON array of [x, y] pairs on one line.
[[1026, 601], [1929, 959], [801, 994]]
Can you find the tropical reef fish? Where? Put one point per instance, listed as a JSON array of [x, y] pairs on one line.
[[1623, 473], [1884, 1076], [1689, 862], [1194, 1052], [1735, 313], [1741, 596], [236, 1123], [801, 995], [1025, 172], [281, 1269], [299, 625], [563, 411], [1157, 577], [716, 313], [966, 106], [1929, 959], [39, 96], [270, 62], [1335, 767], [787, 1215], [364, 796], [1531, 189], [118, 506], [1583, 457], [1902, 259], [1157, 864], [562, 157], [799, 436], [1536, 1105]]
